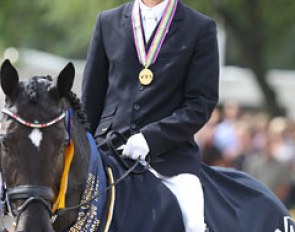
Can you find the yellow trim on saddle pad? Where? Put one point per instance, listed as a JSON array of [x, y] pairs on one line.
[[112, 200], [68, 157]]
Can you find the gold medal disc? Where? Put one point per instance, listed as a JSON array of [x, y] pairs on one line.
[[146, 76]]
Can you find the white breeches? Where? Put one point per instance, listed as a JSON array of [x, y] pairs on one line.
[[189, 193]]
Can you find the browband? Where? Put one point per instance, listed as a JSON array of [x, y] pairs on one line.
[[30, 124]]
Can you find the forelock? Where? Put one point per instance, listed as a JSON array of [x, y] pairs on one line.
[[32, 88]]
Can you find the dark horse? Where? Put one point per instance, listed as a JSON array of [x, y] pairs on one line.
[[54, 178]]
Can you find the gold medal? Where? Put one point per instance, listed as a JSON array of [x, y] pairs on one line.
[[146, 76]]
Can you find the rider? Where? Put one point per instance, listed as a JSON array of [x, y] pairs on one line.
[[152, 74]]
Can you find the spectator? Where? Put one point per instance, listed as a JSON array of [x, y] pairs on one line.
[[266, 168], [225, 137]]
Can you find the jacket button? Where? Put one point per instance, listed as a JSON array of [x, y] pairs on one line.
[[136, 106]]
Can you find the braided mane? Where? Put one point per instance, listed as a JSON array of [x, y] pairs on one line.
[[75, 103], [71, 97]]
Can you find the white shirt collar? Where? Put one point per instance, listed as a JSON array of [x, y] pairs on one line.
[[156, 11]]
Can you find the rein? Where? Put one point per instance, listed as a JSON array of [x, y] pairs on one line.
[[118, 156], [96, 196], [129, 170]]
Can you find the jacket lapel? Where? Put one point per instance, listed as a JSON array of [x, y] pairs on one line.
[[176, 22], [126, 21]]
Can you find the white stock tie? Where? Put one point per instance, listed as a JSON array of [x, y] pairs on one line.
[[150, 25]]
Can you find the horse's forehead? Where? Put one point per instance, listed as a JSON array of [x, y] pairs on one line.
[[34, 88], [35, 99], [37, 81]]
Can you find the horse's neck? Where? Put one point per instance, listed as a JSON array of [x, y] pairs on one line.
[[79, 167], [77, 176]]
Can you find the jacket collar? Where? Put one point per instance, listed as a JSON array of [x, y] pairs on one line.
[[127, 24]]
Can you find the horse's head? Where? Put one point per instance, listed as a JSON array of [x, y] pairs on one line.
[[32, 144]]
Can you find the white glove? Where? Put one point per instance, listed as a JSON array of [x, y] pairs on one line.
[[136, 147]]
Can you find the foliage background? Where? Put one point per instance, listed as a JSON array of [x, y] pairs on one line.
[[260, 33], [64, 27]]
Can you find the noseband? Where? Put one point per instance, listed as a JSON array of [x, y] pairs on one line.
[[44, 195], [27, 193]]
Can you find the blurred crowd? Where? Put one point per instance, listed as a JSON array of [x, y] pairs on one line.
[[253, 142]]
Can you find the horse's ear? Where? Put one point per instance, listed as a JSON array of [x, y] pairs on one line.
[[8, 78], [65, 80]]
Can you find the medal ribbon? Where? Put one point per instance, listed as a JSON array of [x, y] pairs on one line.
[[147, 59]]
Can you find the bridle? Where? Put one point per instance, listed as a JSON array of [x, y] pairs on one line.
[[27, 193], [31, 124], [44, 194]]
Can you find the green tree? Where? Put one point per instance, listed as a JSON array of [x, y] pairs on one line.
[[257, 27], [260, 33], [75, 20], [60, 27], [18, 23]]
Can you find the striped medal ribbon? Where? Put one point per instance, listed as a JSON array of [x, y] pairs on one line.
[[146, 76]]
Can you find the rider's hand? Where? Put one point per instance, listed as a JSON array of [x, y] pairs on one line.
[[136, 147]]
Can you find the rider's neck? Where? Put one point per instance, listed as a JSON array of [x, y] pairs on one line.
[[151, 3]]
